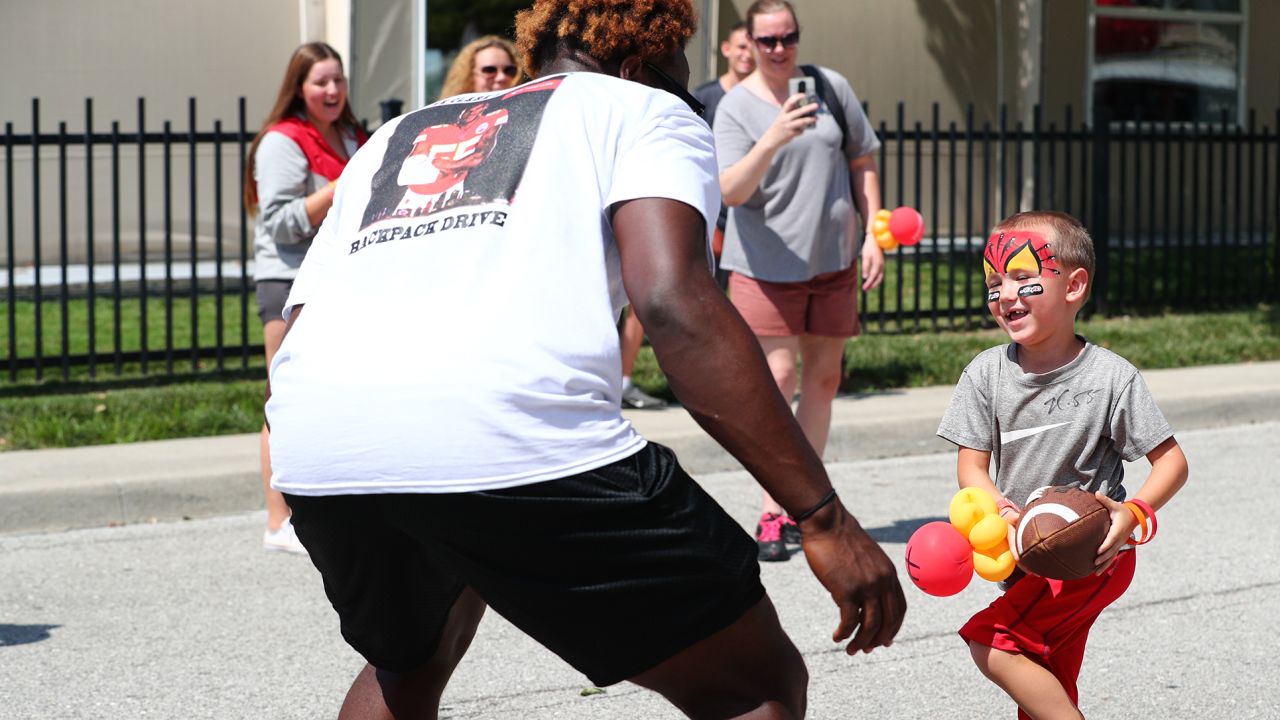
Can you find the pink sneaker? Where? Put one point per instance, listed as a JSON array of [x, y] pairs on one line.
[[769, 539]]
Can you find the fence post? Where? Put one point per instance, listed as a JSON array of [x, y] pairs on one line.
[[391, 109], [1100, 215]]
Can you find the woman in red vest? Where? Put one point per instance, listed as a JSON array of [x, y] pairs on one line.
[[290, 173]]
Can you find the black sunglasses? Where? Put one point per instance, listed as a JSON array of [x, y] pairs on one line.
[[670, 85], [508, 70], [769, 43]]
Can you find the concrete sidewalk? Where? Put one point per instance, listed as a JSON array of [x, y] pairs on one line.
[[52, 490]]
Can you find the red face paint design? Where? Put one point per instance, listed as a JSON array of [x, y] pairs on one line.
[[1018, 250]]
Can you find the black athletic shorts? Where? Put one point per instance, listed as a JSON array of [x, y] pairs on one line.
[[615, 570]]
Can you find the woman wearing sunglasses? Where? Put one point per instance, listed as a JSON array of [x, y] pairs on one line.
[[484, 64], [793, 179]]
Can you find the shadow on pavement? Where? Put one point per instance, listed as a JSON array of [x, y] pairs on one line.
[[24, 634], [900, 531]]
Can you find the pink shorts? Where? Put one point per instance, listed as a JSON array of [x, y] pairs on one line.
[[1049, 620], [824, 305]]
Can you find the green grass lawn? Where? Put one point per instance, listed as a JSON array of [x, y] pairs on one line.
[[167, 325], [54, 413]]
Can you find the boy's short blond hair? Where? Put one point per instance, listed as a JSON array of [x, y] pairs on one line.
[[1069, 241]]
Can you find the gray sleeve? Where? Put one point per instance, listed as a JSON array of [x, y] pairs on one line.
[[1137, 426], [733, 141], [967, 419], [284, 178], [862, 136], [709, 94]]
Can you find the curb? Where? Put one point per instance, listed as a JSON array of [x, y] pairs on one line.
[[65, 488], [55, 490]]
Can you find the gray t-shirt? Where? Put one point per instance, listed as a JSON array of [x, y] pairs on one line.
[[282, 231], [1070, 426], [800, 222]]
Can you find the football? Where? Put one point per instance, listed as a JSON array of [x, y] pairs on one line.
[[1059, 533]]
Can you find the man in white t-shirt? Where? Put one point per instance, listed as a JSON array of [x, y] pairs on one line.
[[445, 406]]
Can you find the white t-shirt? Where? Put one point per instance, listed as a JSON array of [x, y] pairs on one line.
[[462, 295]]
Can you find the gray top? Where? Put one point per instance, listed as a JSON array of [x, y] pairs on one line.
[[710, 94], [800, 222], [1070, 426], [282, 231]]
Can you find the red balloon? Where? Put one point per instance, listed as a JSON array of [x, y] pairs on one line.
[[906, 225], [939, 559]]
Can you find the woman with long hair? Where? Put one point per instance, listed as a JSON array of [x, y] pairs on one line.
[[793, 174], [290, 173], [484, 64]]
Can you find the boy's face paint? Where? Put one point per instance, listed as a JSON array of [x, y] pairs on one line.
[[993, 295], [1024, 286], [1013, 250], [1022, 255]]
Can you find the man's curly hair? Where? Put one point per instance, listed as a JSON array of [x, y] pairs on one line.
[[607, 30]]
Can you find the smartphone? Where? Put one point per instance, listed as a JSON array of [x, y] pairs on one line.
[[803, 85]]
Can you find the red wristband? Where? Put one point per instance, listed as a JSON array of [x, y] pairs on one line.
[[1150, 513], [1146, 517]]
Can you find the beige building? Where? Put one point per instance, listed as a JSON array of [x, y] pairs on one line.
[[1051, 52], [1140, 59], [953, 52]]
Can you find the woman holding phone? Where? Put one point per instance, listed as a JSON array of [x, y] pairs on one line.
[[793, 175]]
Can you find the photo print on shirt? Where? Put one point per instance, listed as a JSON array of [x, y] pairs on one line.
[[438, 158]]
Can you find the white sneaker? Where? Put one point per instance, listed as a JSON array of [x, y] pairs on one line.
[[283, 540]]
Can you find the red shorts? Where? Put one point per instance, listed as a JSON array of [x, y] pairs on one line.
[[1049, 620], [824, 305]]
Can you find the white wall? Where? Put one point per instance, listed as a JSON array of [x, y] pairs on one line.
[[116, 51]]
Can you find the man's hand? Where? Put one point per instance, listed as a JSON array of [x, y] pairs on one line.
[[860, 577]]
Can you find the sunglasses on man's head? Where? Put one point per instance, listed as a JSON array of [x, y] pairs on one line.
[[508, 70], [670, 85], [769, 43]]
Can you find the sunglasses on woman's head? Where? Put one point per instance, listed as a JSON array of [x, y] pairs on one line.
[[508, 70], [769, 43]]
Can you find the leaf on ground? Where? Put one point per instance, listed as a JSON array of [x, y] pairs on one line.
[[586, 692]]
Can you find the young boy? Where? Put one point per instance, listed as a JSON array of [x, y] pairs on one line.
[[1053, 409]]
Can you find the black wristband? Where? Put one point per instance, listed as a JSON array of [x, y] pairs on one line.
[[825, 501]]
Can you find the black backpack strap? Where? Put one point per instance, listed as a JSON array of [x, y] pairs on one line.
[[833, 103]]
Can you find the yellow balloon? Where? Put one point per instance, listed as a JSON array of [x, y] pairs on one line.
[[978, 497], [989, 532], [880, 230], [994, 565], [964, 515]]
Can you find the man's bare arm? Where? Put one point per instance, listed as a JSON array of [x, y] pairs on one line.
[[714, 365]]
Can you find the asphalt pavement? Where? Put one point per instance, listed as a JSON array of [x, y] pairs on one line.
[[133, 583], [192, 619]]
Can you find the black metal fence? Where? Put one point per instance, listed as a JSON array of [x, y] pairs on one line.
[[1183, 215], [130, 293], [147, 268]]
